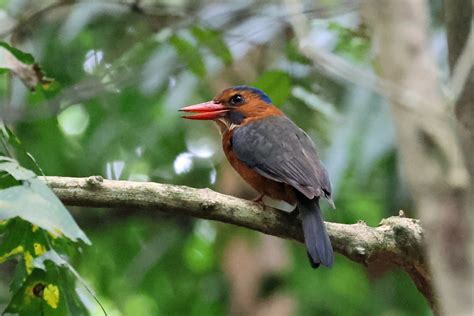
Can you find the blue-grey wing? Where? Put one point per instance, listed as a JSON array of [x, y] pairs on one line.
[[278, 149]]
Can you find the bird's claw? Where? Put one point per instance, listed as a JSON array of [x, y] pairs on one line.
[[259, 200]]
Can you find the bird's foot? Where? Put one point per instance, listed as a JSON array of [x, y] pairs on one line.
[[259, 200]]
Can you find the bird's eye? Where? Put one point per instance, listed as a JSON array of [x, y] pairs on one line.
[[237, 99]]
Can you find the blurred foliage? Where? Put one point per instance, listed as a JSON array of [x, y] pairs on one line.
[[353, 44], [121, 71], [35, 230]]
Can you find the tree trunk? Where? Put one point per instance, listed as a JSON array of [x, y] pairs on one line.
[[430, 156]]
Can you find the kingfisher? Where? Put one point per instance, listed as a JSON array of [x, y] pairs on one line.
[[276, 157]]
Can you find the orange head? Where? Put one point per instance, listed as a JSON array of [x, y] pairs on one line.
[[235, 105]]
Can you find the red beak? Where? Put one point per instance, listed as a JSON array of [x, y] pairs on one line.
[[205, 111]]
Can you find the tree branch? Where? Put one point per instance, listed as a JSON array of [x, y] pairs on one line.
[[396, 241]]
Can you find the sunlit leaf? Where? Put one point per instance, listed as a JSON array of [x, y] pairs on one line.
[[30, 245], [50, 255], [12, 167], [22, 239], [24, 242], [47, 292], [36, 203]]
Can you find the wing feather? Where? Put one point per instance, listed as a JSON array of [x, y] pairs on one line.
[[279, 150]]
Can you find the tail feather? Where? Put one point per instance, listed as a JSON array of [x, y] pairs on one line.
[[316, 237]]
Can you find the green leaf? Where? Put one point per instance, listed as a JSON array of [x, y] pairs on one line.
[[11, 139], [20, 276], [213, 40], [293, 53], [25, 58], [36, 203], [275, 83], [53, 257], [11, 166], [189, 54], [32, 246], [24, 241], [353, 44], [23, 66], [47, 292], [50, 255]]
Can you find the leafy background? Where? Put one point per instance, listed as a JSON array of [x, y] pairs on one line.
[[120, 72]]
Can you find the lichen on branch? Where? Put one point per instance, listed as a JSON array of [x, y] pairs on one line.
[[396, 241]]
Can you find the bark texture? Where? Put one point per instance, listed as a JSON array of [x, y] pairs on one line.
[[430, 154], [396, 241], [460, 29]]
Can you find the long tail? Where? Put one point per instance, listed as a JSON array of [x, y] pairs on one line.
[[316, 237]]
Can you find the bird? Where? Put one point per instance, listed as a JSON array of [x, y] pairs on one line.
[[276, 157]]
